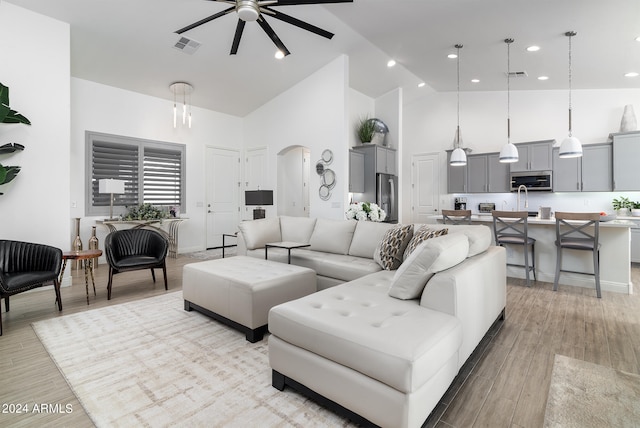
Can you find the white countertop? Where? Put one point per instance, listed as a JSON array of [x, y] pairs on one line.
[[618, 222]]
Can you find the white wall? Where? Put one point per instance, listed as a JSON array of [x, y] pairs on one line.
[[430, 122], [313, 113], [102, 108], [36, 69]]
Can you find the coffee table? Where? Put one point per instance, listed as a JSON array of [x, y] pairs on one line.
[[86, 257], [289, 245]]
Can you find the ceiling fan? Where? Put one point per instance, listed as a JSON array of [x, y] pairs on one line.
[[253, 10]]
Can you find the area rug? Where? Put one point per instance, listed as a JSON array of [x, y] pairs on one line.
[[151, 363], [586, 395]]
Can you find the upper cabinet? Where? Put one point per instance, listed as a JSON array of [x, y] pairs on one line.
[[383, 158], [534, 156], [483, 174], [626, 152], [356, 171], [590, 173]]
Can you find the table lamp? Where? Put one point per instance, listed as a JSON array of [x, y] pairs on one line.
[[113, 187], [258, 198]]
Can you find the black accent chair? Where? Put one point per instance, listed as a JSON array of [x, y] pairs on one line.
[[135, 249], [25, 266]]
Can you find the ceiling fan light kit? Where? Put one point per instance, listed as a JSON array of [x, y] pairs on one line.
[[255, 10]]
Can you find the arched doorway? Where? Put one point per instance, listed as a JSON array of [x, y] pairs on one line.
[[293, 181]]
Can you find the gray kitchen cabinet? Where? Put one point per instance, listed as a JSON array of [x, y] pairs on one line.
[[477, 174], [590, 173], [534, 156], [485, 174], [626, 152], [497, 174], [456, 177], [356, 171], [384, 158]]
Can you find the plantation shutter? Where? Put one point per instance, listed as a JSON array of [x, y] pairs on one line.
[[162, 176], [117, 161]]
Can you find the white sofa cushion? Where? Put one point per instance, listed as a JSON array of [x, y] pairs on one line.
[[332, 236], [432, 256], [420, 235], [366, 238], [480, 236], [388, 253], [296, 229], [256, 233]]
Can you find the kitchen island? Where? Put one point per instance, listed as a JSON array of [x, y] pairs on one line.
[[615, 254]]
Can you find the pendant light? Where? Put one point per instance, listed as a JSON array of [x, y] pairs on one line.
[[184, 89], [458, 156], [570, 147], [509, 152]]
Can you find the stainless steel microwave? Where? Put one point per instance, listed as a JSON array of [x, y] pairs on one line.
[[532, 180]]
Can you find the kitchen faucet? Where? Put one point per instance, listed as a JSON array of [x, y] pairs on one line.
[[526, 196]]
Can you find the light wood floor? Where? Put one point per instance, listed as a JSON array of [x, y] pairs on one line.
[[504, 385]]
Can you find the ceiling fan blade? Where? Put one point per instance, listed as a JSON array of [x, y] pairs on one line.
[[205, 20], [298, 23], [236, 38], [272, 34], [296, 2]]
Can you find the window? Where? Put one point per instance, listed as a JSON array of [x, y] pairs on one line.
[[153, 172]]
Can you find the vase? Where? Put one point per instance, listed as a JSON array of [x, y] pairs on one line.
[[77, 242], [628, 122], [93, 245]]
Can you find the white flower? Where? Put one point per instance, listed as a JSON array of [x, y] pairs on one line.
[[362, 216], [365, 211]]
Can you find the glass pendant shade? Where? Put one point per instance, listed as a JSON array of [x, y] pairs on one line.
[[509, 153], [570, 148]]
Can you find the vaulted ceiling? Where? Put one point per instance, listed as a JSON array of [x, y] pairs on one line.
[[129, 45]]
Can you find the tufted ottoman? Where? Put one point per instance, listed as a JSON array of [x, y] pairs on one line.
[[239, 291]]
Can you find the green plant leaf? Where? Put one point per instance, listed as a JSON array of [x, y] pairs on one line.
[[10, 148], [8, 115], [3, 174], [8, 173]]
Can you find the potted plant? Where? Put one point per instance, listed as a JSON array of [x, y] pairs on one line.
[[622, 205], [365, 130], [635, 209], [8, 115]]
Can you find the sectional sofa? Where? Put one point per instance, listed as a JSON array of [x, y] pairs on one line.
[[380, 344]]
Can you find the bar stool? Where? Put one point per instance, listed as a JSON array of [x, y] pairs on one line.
[[512, 228], [572, 234], [456, 216]]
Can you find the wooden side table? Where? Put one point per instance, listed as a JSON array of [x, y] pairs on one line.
[[86, 258]]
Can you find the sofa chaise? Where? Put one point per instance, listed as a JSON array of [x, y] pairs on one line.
[[381, 343]]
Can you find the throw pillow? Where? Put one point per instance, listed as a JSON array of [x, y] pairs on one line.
[[388, 253], [430, 257], [256, 233], [421, 235], [332, 236]]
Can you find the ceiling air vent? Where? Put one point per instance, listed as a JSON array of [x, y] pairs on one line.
[[516, 74], [187, 45]]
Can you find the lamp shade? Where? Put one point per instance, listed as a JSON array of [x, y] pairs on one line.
[[258, 197], [458, 157], [509, 153], [110, 185], [570, 148]]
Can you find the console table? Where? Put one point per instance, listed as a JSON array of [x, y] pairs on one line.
[[171, 235]]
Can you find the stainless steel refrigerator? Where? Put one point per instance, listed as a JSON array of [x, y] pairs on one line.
[[387, 195]]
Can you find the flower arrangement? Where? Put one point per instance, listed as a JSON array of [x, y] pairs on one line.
[[145, 212], [365, 211]]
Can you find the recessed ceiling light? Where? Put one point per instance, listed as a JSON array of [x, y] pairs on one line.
[[638, 39], [475, 80], [533, 48], [391, 63], [279, 54], [631, 74], [421, 85], [543, 77], [452, 56]]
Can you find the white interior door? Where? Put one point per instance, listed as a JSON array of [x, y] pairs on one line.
[[223, 193], [425, 182]]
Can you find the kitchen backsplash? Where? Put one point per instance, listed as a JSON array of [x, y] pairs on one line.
[[578, 201]]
